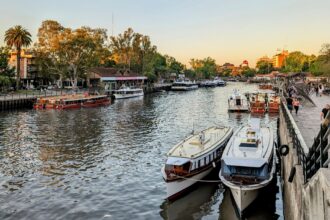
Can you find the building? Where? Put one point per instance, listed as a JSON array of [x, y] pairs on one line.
[[279, 59], [28, 69], [245, 63], [113, 78]]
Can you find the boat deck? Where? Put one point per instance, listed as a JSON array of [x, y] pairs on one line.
[[194, 146]]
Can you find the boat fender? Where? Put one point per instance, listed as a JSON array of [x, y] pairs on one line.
[[292, 173], [284, 150], [213, 164]]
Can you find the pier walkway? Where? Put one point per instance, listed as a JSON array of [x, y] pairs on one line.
[[308, 118]]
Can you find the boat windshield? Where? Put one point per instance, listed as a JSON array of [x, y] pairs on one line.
[[248, 144]]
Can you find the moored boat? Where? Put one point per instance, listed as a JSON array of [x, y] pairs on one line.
[[258, 103], [274, 103], [238, 102], [193, 159], [95, 101], [128, 92], [184, 85], [248, 163]]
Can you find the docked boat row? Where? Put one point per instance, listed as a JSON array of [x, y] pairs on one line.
[[184, 84], [128, 92], [72, 101], [213, 83], [246, 158], [258, 103]]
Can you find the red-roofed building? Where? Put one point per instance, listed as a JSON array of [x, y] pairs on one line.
[[112, 78]]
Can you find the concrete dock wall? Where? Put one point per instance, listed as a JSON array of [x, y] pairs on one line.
[[310, 200], [12, 104]]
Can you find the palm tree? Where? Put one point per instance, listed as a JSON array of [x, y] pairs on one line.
[[18, 37]]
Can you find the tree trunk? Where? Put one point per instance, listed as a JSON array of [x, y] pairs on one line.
[[75, 80], [18, 68]]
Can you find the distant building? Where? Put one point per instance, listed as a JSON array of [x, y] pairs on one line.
[[245, 63], [113, 78], [28, 69], [279, 59]]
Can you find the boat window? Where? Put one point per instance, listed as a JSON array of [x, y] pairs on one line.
[[250, 144], [260, 172], [238, 102]]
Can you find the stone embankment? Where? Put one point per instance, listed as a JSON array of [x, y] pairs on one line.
[[305, 170]]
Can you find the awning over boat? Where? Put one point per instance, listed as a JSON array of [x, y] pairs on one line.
[[177, 161], [244, 162]]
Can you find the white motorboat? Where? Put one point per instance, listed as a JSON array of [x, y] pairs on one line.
[[184, 85], [220, 82], [209, 83], [127, 92], [238, 102], [194, 158], [248, 163]]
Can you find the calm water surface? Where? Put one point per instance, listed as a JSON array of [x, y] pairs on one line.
[[104, 163]]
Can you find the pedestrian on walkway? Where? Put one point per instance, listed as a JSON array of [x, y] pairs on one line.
[[296, 105], [289, 102], [325, 111], [317, 90]]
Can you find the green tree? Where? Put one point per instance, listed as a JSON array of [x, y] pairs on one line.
[[206, 68], [321, 65], [249, 72], [70, 53], [6, 72], [296, 62], [264, 67], [18, 37]]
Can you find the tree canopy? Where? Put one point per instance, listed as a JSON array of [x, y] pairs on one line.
[[18, 37]]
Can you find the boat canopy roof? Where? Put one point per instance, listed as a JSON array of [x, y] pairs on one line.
[[177, 161], [198, 144], [242, 162]]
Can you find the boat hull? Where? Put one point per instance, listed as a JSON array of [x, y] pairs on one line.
[[178, 187], [238, 108], [126, 96], [184, 88]]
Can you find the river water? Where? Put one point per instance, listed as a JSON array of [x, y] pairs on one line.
[[104, 163]]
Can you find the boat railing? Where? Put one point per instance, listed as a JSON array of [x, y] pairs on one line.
[[315, 157]]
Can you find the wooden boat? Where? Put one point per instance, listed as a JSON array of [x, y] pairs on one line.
[[72, 101], [248, 163], [274, 104], [266, 86], [68, 104], [194, 158], [258, 103], [101, 100]]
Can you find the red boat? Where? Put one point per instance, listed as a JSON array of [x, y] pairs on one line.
[[68, 104], [96, 101], [274, 104], [258, 104]]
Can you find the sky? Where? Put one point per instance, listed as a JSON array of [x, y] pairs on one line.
[[226, 30]]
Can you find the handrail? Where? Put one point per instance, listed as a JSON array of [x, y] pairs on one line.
[[297, 131], [314, 157]]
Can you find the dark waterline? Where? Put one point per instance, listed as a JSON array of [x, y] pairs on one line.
[[104, 163]]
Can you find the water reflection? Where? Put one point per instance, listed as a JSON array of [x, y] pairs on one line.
[[101, 162]]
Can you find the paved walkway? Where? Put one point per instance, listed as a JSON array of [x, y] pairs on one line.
[[308, 118]]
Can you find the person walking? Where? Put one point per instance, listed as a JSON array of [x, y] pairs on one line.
[[289, 102], [317, 90], [296, 105]]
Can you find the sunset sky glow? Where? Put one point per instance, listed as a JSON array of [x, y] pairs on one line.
[[226, 30]]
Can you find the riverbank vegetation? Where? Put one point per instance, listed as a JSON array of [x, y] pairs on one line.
[[63, 53]]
